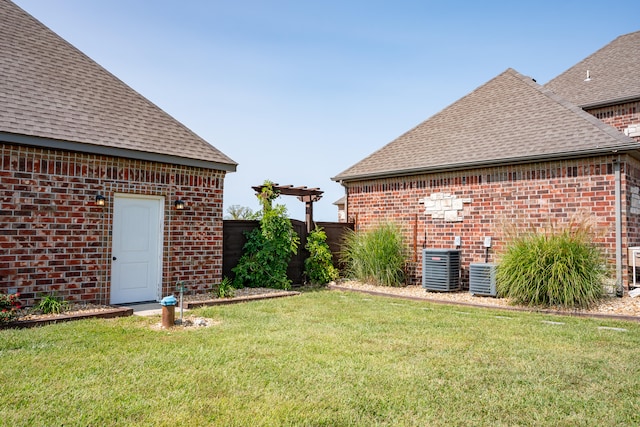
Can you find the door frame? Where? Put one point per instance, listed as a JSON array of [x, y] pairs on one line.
[[160, 234]]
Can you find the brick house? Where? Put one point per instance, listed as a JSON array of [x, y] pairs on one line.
[[514, 152], [90, 179]]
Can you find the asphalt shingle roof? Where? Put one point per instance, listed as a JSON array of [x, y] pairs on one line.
[[614, 75], [49, 89], [507, 120]]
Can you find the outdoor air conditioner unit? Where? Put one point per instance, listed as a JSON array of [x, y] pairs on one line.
[[633, 255], [482, 279], [441, 269]]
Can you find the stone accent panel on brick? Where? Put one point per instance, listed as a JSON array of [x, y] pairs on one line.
[[54, 238], [444, 206]]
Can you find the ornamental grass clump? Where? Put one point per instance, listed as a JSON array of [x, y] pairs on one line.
[[555, 268], [224, 289], [52, 304], [377, 256]]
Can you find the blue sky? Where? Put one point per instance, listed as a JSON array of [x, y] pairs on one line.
[[298, 91]]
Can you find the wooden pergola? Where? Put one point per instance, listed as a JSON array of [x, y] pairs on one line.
[[304, 194]]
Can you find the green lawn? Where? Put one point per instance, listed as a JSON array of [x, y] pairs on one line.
[[325, 358]]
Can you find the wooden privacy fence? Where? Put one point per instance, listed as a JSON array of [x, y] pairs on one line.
[[234, 238]]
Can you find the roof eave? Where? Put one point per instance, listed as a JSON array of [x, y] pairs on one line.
[[494, 163], [610, 102], [114, 152]]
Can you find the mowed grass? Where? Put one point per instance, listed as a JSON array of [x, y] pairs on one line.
[[325, 358]]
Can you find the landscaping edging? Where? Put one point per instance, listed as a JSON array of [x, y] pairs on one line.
[[493, 307], [104, 314], [236, 300]]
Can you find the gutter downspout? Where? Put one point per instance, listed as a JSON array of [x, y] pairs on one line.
[[346, 201], [619, 284]]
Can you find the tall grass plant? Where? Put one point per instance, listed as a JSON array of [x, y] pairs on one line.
[[377, 256], [555, 267]]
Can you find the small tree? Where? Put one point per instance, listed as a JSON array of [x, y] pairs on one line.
[[242, 212], [269, 248], [319, 266]]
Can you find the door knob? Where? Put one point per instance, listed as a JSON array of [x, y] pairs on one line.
[[114, 258]]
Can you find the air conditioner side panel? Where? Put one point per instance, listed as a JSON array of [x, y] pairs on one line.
[[482, 279]]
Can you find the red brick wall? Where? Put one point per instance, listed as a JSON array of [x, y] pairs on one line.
[[619, 116], [54, 238], [534, 195]]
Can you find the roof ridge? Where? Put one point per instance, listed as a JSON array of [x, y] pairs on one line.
[[510, 118], [52, 91], [610, 71], [599, 124], [441, 111]]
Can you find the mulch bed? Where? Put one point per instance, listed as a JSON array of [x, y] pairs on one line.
[[464, 299], [109, 313], [30, 320]]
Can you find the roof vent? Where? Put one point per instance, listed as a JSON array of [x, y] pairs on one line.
[[588, 79]]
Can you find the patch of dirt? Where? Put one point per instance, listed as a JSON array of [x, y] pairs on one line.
[[188, 323]]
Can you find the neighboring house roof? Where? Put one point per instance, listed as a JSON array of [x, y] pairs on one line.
[[510, 119], [613, 75], [341, 201], [52, 95]]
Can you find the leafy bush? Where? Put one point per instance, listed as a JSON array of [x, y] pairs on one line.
[[224, 289], [377, 256], [554, 268], [269, 248], [51, 304], [319, 266], [9, 305]]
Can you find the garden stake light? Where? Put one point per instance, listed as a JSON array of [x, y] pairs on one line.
[[180, 287]]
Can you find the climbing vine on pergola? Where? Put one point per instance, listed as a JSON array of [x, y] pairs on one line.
[[304, 194]]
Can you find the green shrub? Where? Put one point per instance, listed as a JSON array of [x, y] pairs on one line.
[[51, 304], [269, 248], [377, 256], [224, 289], [554, 268], [318, 267], [9, 304]]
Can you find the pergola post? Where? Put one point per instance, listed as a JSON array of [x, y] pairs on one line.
[[308, 218]]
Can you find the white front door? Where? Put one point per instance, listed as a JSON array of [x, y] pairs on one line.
[[136, 253]]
